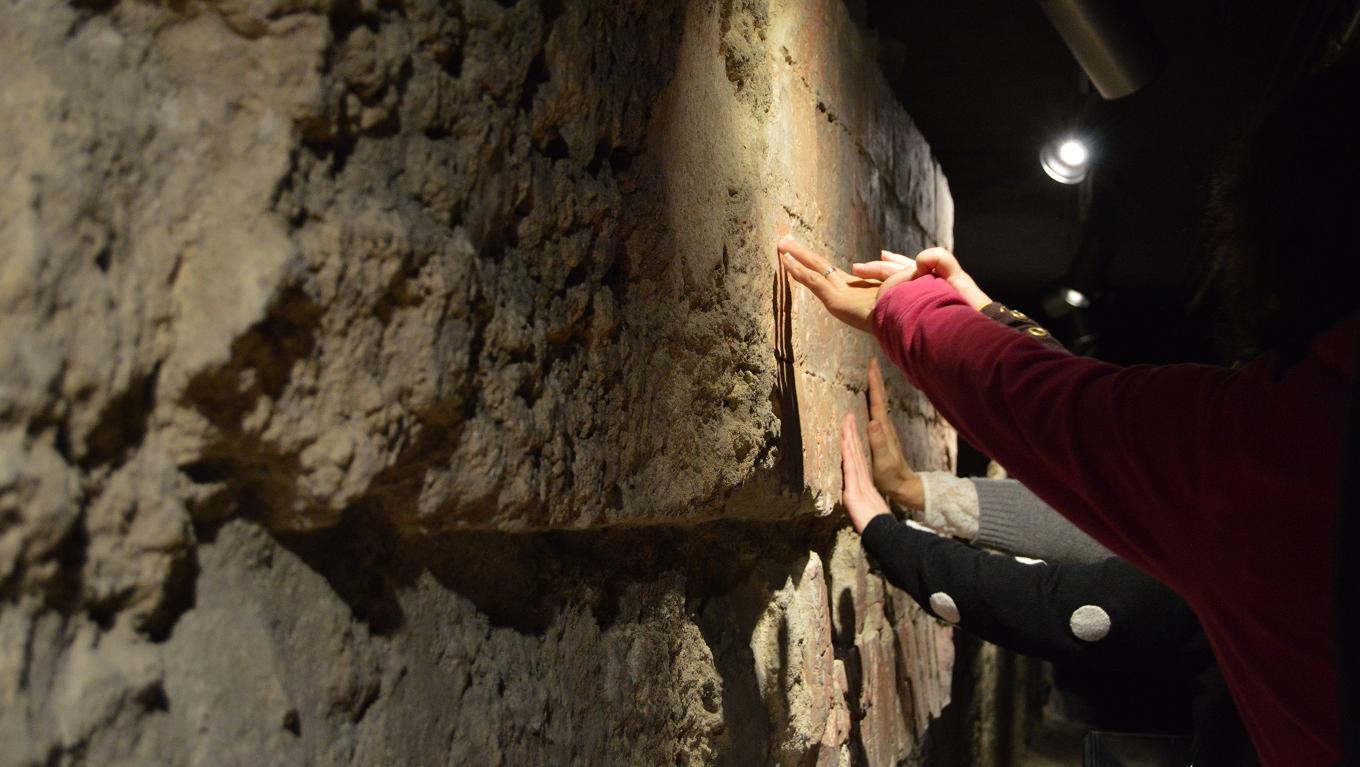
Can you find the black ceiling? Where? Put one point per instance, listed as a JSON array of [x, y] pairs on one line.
[[990, 81]]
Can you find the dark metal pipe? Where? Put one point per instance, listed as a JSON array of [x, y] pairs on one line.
[[1109, 39]]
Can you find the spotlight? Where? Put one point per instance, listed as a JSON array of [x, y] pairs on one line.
[[1065, 160], [1076, 299], [1065, 301], [1072, 153], [1067, 309]]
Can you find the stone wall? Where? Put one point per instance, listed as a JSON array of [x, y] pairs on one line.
[[412, 382]]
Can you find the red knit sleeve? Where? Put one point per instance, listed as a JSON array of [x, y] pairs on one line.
[[1122, 452]]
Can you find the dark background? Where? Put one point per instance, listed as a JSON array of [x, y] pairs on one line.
[[990, 81]]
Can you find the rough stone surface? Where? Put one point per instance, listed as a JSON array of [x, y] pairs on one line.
[[401, 381]]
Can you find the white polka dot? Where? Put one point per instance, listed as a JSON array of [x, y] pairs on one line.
[[1028, 561], [943, 605], [1090, 623]]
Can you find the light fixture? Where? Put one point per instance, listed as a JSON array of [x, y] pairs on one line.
[[1067, 310], [1075, 298], [1111, 41], [1065, 160], [1072, 152], [1064, 301]]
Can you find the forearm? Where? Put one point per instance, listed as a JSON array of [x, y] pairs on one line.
[[949, 505], [1105, 614], [1014, 520], [1010, 517], [1001, 515], [1065, 426]]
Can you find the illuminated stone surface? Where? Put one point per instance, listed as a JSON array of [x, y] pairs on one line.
[[411, 382]]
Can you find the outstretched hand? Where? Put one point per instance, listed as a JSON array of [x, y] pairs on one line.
[[889, 264], [943, 264], [851, 299], [892, 474], [861, 501], [848, 298]]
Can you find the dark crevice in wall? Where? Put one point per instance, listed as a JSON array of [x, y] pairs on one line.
[[523, 580], [556, 147], [551, 10], [728, 570], [597, 160], [347, 16], [94, 6], [153, 697], [103, 257], [254, 476], [952, 728], [536, 77], [86, 11], [360, 559], [854, 673], [64, 592], [179, 596], [784, 397], [122, 424], [286, 336], [744, 714]]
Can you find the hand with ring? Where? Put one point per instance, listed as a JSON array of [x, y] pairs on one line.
[[850, 299]]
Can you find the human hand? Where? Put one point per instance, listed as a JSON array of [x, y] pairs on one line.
[[852, 300], [942, 264], [889, 263], [849, 299], [892, 474], [861, 501]]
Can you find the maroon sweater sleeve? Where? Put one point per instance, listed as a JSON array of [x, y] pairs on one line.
[[1221, 484], [1090, 438]]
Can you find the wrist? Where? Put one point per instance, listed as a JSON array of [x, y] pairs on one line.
[[970, 292], [976, 298], [909, 492], [862, 523]]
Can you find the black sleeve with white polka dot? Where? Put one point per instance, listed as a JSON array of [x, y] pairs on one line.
[[1106, 614]]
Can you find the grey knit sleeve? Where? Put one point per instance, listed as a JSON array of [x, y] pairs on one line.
[[1014, 520]]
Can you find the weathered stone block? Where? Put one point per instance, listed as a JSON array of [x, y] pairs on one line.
[[415, 383]]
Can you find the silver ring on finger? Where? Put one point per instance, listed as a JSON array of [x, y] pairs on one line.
[[828, 272]]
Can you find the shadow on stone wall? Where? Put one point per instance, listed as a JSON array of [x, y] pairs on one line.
[[727, 572]]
